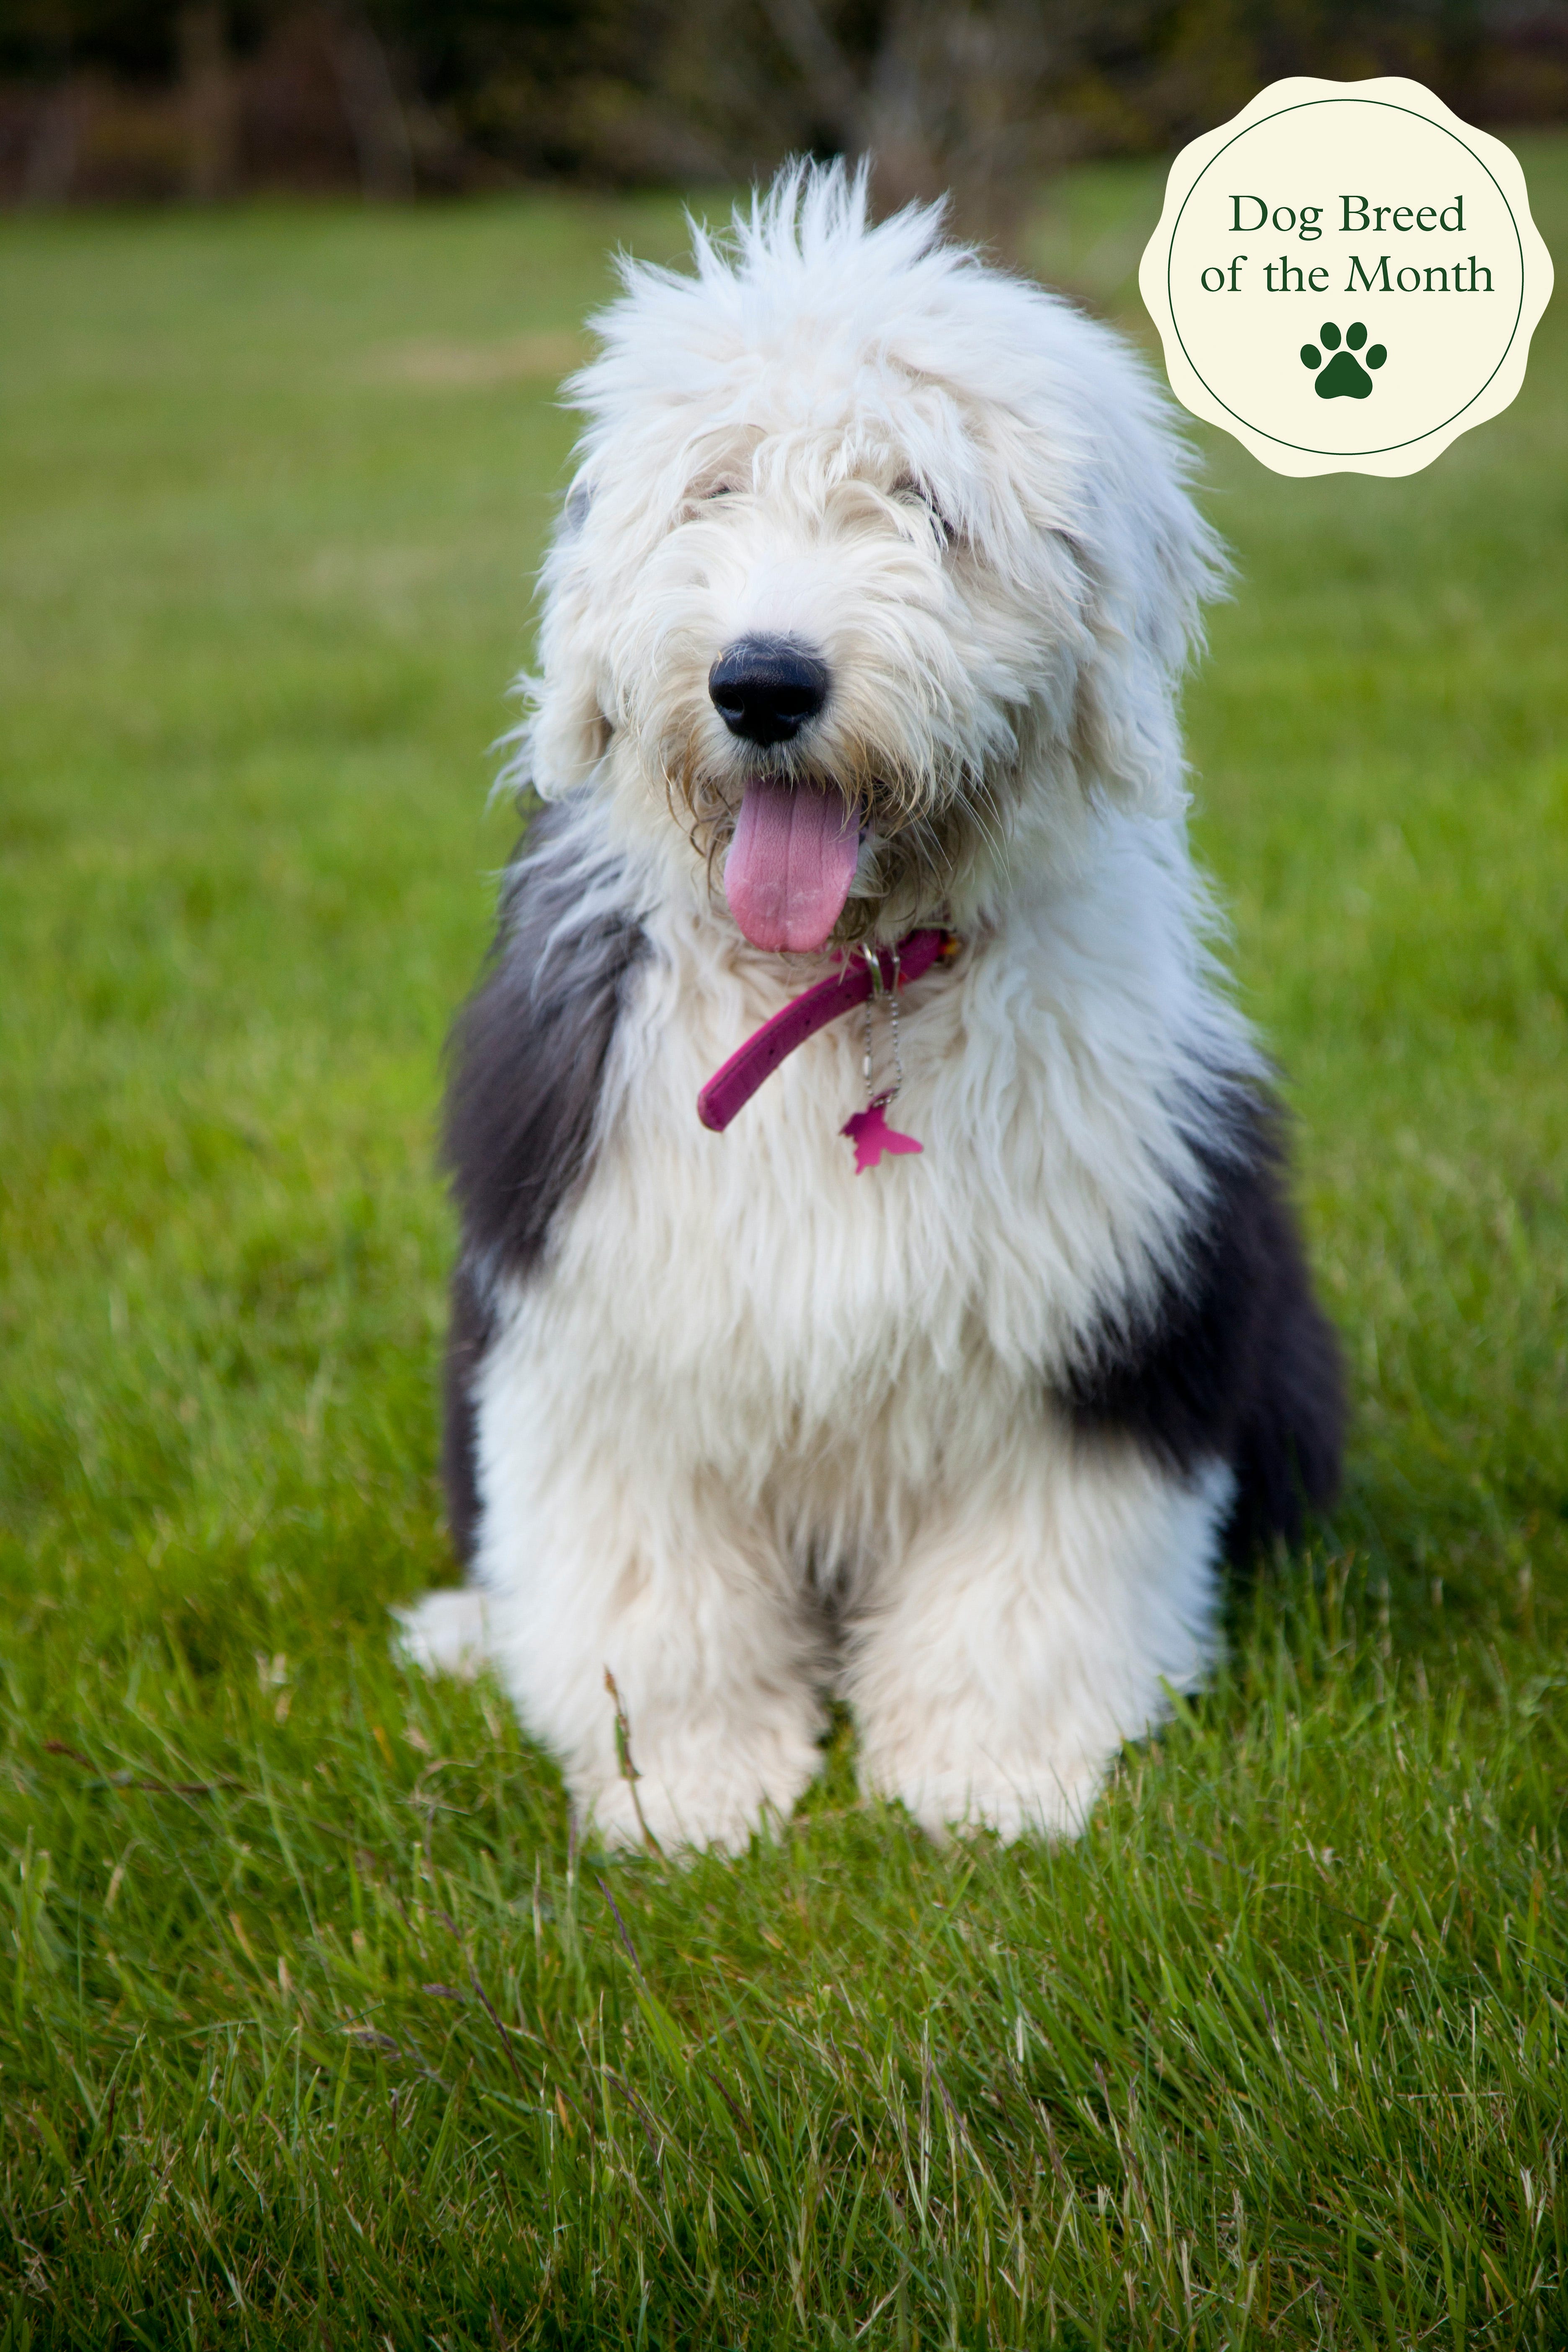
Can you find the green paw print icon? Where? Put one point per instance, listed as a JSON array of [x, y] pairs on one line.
[[1344, 377]]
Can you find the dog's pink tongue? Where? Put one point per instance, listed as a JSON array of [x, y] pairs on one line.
[[790, 864]]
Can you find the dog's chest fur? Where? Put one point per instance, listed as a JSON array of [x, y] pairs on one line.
[[1058, 1075], [1048, 1182], [1093, 1240]]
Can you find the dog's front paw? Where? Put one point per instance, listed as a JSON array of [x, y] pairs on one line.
[[1018, 1796], [715, 1798], [445, 1633]]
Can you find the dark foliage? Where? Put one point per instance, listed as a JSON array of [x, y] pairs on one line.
[[946, 93]]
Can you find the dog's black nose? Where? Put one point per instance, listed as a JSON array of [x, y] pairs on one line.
[[766, 690]]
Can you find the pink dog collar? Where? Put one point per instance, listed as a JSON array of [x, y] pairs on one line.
[[731, 1087]]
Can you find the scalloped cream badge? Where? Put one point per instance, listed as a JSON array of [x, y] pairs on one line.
[[1345, 276]]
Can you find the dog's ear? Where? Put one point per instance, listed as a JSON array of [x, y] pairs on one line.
[[1147, 563], [563, 739], [567, 734]]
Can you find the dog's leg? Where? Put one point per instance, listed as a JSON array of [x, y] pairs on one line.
[[444, 1631], [645, 1626], [1030, 1627]]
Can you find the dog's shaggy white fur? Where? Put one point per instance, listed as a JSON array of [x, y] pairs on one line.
[[962, 1436]]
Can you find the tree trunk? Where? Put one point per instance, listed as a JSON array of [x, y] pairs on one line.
[[956, 97], [206, 83], [375, 117], [54, 147]]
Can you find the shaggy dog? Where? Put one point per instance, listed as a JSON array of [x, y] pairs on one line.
[[866, 614]]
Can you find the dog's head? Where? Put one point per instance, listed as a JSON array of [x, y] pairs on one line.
[[876, 577]]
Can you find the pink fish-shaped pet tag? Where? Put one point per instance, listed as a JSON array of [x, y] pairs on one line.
[[869, 1133]]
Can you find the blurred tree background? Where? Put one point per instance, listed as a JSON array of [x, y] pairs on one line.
[[204, 100]]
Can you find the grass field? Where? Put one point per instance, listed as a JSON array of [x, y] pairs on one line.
[[316, 2028]]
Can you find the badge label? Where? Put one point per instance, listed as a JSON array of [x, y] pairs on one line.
[[1345, 276]]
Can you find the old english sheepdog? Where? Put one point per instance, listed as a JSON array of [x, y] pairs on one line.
[[857, 736]]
